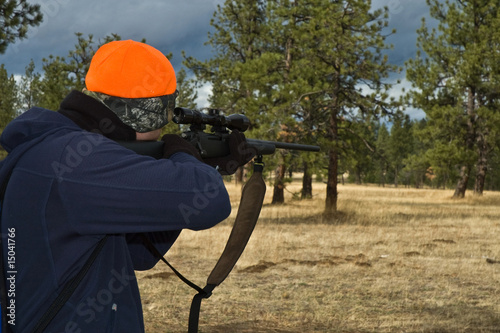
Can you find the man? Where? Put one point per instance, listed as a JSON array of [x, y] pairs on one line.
[[70, 185]]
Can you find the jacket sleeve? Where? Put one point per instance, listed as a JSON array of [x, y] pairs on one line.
[[142, 257], [110, 189]]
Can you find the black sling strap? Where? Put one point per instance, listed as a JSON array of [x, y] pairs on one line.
[[251, 201], [252, 198], [160, 256], [68, 290]]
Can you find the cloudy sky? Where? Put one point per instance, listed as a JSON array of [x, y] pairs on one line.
[[169, 25]]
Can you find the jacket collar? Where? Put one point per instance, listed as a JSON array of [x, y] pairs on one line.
[[93, 116]]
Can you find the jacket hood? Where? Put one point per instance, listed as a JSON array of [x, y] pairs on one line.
[[77, 112], [27, 130], [33, 126]]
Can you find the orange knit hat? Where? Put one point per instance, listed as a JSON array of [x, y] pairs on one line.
[[130, 69]]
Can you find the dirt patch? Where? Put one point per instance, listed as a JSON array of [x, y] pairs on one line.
[[492, 261], [160, 275], [358, 259], [363, 263], [322, 262], [259, 268], [445, 241]]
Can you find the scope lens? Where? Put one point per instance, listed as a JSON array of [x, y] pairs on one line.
[[185, 116], [238, 121]]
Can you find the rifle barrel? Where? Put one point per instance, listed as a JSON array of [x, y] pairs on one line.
[[268, 147]]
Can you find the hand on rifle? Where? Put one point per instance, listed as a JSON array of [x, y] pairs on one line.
[[175, 144], [240, 153]]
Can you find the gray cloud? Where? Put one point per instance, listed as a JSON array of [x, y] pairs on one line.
[[406, 17], [170, 26]]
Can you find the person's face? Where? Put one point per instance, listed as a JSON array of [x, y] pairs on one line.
[[148, 136]]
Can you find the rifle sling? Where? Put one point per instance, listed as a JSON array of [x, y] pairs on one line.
[[68, 290], [251, 201]]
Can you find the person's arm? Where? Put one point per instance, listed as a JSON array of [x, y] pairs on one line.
[[114, 190], [142, 257]]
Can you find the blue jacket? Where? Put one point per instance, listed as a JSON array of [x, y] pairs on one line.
[[70, 187]]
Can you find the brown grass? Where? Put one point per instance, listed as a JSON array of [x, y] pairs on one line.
[[394, 260]]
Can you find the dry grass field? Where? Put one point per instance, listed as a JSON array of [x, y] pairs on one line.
[[395, 260]]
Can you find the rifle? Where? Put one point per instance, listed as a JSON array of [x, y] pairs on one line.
[[213, 144]]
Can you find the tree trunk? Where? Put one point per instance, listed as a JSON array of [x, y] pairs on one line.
[[279, 185], [383, 172], [469, 144], [396, 175], [306, 183], [238, 175], [358, 175], [480, 179], [462, 182], [482, 166], [331, 184], [333, 164], [333, 158]]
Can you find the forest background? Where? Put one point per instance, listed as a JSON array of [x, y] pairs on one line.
[[317, 72]]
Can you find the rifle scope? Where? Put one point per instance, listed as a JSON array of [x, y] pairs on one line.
[[233, 122]]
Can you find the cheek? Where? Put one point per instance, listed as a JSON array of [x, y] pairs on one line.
[[157, 134], [149, 136]]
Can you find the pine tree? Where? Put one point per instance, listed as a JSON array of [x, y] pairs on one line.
[[79, 60], [358, 150], [456, 71], [345, 52], [29, 88], [236, 44], [416, 165], [8, 97], [187, 90], [239, 67], [382, 146], [286, 80], [55, 84], [15, 19], [400, 145]]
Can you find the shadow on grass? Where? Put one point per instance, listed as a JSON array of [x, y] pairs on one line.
[[338, 218], [463, 317], [255, 327]]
